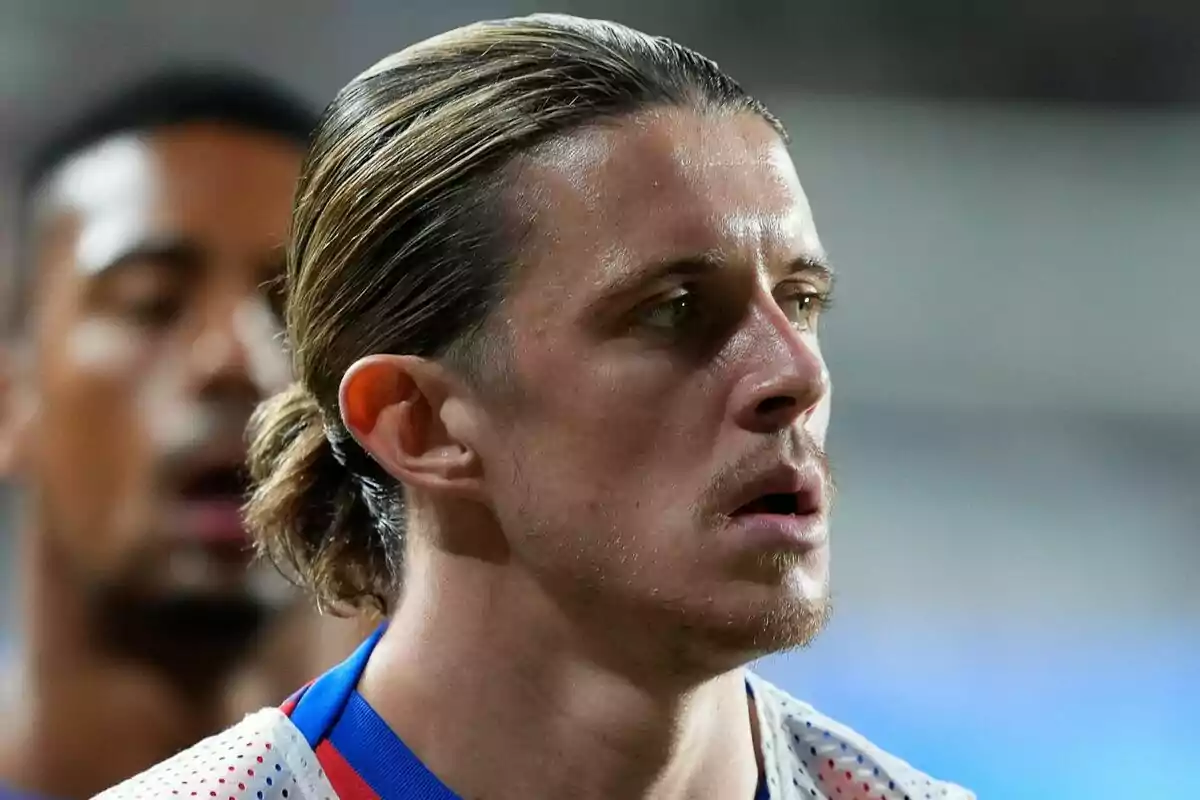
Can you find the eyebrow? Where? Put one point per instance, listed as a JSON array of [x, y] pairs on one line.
[[174, 252], [705, 263]]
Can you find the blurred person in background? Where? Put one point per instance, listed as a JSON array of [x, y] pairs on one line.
[[144, 331], [560, 410]]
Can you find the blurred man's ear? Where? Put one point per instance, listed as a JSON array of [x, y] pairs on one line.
[[14, 409], [8, 426]]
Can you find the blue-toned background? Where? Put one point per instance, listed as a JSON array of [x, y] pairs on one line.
[[1012, 195]]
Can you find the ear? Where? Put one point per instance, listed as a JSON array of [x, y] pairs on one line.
[[13, 412], [408, 413]]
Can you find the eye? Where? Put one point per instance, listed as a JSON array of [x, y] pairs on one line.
[[669, 312], [802, 304], [143, 292], [147, 304], [157, 312]]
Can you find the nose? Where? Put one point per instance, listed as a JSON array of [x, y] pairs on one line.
[[237, 355], [787, 380]]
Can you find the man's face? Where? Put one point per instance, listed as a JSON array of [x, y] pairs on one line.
[[153, 337], [663, 452]]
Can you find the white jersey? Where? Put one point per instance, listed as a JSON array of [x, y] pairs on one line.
[[805, 755], [263, 757]]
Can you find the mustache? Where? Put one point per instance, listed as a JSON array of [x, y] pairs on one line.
[[201, 433], [788, 447]]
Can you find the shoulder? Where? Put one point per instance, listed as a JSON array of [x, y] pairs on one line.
[[804, 748], [263, 757]]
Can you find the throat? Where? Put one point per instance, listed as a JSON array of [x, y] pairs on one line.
[[608, 738], [66, 747]]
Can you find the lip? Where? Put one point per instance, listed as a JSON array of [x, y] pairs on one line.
[[805, 483], [215, 522], [781, 532], [185, 466], [802, 531], [206, 488]]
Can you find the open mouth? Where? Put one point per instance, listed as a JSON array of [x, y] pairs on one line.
[[211, 506], [780, 504], [219, 484]]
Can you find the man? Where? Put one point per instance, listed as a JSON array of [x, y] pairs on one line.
[[560, 409], [144, 333]]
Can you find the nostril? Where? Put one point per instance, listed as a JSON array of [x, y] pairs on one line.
[[774, 405]]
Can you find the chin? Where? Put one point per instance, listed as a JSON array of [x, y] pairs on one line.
[[703, 637], [185, 629], [747, 620], [222, 607], [762, 631]]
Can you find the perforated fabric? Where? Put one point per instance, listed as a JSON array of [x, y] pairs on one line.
[[263, 757], [807, 755]]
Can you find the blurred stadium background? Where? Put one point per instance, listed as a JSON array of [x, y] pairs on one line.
[[1011, 191]]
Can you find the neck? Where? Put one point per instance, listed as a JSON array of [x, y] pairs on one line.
[[562, 719], [104, 698]]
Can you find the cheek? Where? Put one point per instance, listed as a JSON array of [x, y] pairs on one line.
[[269, 366], [624, 433], [103, 350], [92, 456]]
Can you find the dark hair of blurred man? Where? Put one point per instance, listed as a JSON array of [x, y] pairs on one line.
[[143, 335]]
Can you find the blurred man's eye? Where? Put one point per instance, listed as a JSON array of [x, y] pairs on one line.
[[154, 312], [147, 297]]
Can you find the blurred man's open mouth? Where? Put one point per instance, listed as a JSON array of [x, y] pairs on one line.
[[209, 509]]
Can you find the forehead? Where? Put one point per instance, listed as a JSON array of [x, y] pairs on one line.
[[201, 181], [667, 184]]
